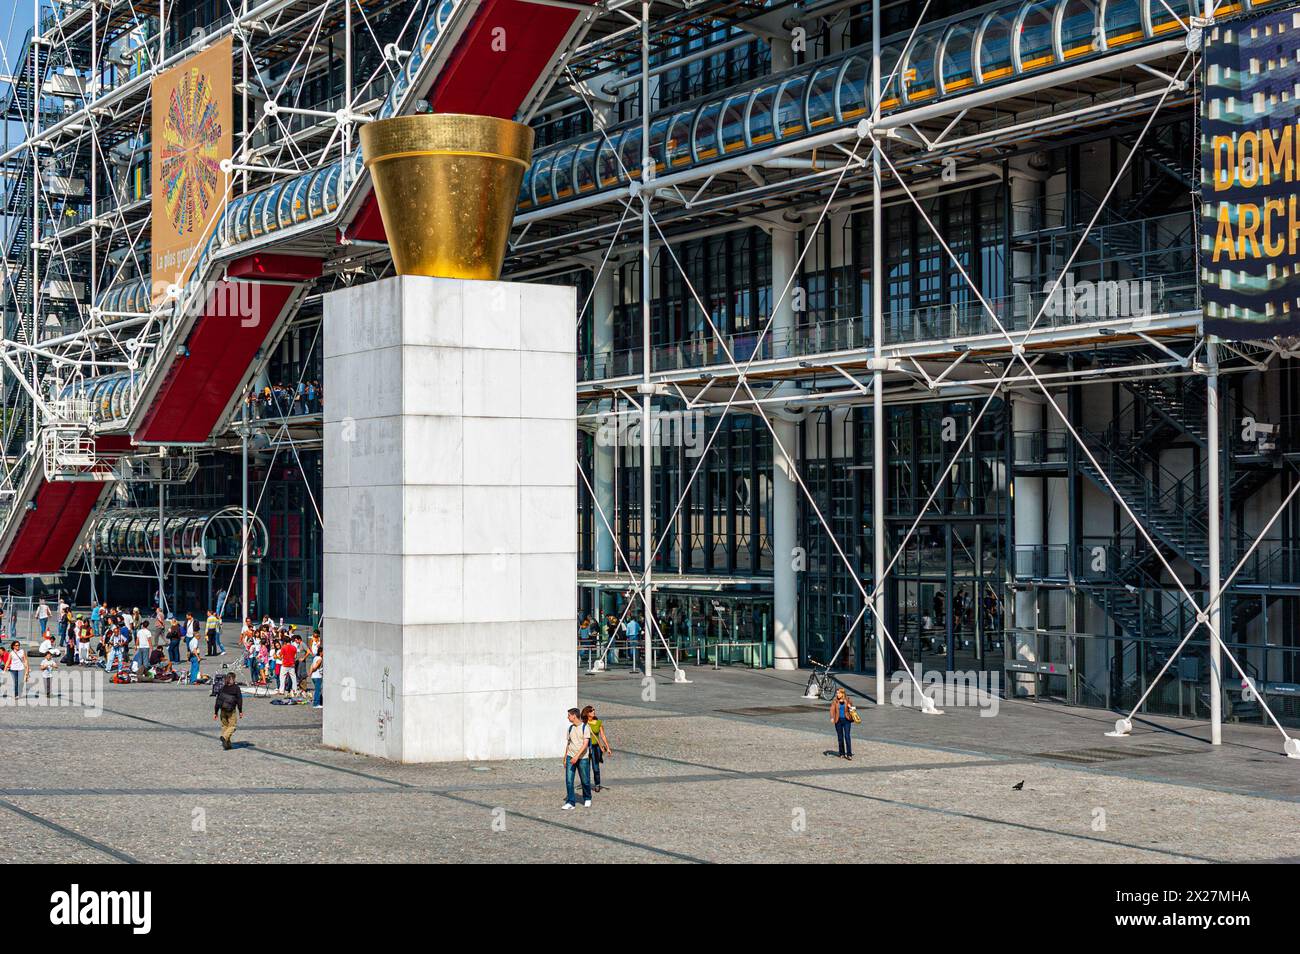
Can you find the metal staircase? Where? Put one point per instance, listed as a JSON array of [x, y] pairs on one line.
[[1169, 411], [1180, 408], [1167, 513]]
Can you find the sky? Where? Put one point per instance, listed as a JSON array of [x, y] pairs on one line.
[[15, 19]]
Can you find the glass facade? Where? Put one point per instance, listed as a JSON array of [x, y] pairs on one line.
[[978, 579]]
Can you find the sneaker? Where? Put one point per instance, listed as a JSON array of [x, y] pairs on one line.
[[587, 803], [318, 707], [566, 807]]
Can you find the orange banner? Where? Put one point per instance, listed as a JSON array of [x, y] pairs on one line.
[[193, 131]]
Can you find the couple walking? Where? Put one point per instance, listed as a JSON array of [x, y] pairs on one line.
[[585, 749]]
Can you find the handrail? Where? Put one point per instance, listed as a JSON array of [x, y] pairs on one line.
[[923, 323]]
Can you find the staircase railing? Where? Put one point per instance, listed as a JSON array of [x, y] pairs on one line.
[[1163, 509]]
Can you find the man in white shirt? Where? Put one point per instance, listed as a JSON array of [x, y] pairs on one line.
[[143, 643], [43, 616]]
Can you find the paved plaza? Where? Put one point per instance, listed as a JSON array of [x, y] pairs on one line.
[[735, 767]]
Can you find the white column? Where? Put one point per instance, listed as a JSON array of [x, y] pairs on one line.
[[1027, 494], [602, 346], [1024, 195], [450, 552], [1215, 546], [785, 507], [782, 55], [879, 459]]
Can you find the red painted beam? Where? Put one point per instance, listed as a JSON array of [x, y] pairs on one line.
[[286, 268], [500, 58], [46, 535], [367, 226], [495, 65], [113, 445], [200, 385]]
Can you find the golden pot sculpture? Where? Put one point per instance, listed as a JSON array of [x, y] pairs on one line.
[[447, 186]]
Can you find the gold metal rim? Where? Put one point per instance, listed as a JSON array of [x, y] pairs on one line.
[[446, 152], [449, 134]]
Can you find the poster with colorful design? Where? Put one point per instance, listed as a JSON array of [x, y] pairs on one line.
[[192, 132], [1250, 216]]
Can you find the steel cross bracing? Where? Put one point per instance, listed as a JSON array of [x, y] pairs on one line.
[[643, 583], [1203, 614], [1113, 82], [873, 130], [839, 368], [279, 48]]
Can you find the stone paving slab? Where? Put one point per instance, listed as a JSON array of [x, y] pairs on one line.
[[694, 778]]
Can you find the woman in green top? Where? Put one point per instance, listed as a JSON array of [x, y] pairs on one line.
[[599, 743]]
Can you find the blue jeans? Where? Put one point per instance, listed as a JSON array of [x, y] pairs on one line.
[[316, 693], [583, 767], [18, 674], [216, 638], [843, 728], [142, 658], [45, 625], [194, 669]]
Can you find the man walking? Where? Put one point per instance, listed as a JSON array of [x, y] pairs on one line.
[[43, 617], [228, 708], [575, 760]]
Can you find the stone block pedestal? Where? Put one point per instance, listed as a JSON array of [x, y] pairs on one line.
[[450, 506]]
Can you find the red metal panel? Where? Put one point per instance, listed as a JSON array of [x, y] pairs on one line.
[[486, 79], [289, 268], [199, 386], [367, 226], [45, 537]]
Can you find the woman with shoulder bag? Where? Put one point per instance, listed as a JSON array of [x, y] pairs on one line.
[[843, 715]]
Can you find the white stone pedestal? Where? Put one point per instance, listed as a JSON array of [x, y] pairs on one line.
[[450, 519]]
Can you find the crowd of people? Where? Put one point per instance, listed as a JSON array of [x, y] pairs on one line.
[[135, 647], [129, 645], [284, 400], [277, 657], [596, 635]]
